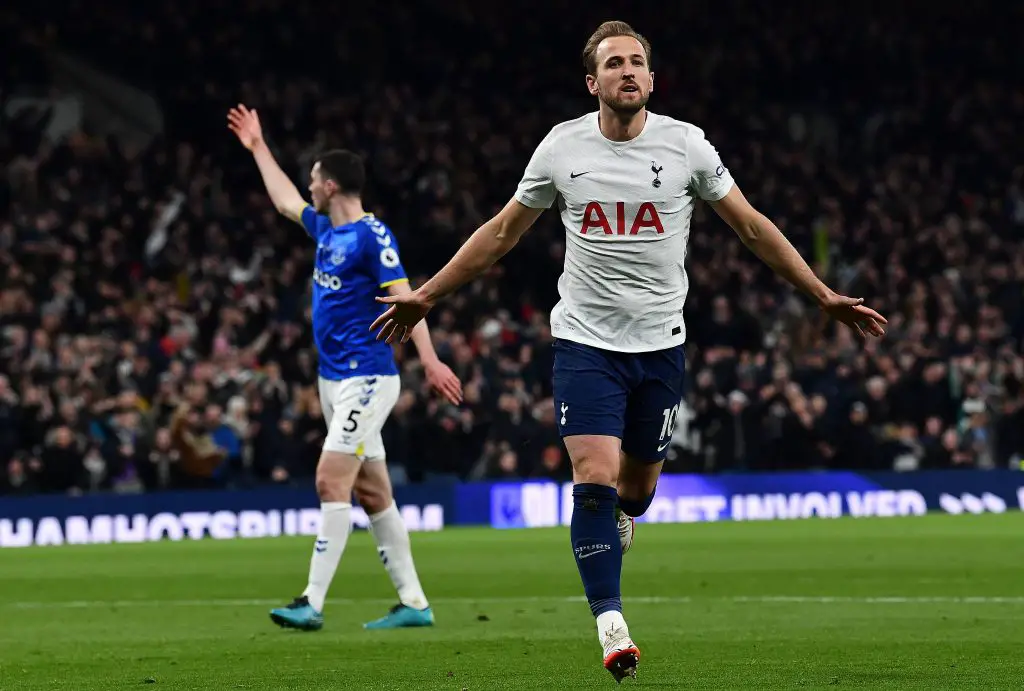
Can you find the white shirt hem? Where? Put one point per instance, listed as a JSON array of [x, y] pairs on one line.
[[675, 342]]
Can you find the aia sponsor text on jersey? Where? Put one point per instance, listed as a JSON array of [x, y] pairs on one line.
[[620, 218]]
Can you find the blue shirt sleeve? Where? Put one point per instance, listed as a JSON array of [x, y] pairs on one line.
[[381, 253], [314, 223]]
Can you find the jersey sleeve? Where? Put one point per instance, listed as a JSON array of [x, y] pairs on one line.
[[314, 223], [537, 187], [381, 255], [709, 177]]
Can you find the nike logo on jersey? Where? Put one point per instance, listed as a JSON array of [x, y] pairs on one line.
[[573, 176], [664, 446]]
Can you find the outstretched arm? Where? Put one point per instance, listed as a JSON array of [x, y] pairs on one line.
[[764, 239], [491, 241], [285, 196]]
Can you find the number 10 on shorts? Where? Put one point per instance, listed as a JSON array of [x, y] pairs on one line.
[[668, 427]]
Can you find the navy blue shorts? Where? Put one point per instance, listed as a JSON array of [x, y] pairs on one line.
[[632, 396]]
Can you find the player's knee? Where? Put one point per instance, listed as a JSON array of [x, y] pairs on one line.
[[595, 459], [330, 489], [595, 470], [373, 488], [334, 476], [374, 502], [373, 499]]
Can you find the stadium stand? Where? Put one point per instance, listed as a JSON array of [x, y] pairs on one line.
[[153, 308]]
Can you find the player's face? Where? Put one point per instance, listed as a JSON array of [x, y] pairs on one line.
[[316, 188], [319, 189], [624, 80]]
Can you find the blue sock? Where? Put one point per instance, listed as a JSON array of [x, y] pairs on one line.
[[595, 542], [637, 507]]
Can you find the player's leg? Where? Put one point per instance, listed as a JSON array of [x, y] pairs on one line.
[[374, 493], [596, 546], [650, 422], [638, 480], [590, 392], [335, 476]]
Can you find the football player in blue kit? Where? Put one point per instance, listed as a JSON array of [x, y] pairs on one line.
[[356, 262]]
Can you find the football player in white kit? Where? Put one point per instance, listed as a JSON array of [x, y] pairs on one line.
[[625, 181]]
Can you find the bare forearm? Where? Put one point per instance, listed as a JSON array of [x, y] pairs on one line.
[[283, 193], [763, 238], [486, 246], [424, 346]]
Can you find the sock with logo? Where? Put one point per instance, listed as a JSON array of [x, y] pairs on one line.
[[335, 525], [610, 621], [395, 552], [595, 543], [636, 507]]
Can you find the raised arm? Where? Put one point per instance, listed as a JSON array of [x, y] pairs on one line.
[[285, 196]]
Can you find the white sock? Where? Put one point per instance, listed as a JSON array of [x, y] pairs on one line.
[[395, 551], [335, 525], [607, 621]]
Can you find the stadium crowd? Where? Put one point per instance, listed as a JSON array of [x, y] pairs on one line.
[[154, 321]]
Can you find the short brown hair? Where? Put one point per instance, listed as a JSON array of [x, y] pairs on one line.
[[345, 168], [610, 30]]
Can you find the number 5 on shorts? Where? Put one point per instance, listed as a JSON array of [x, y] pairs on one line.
[[351, 424]]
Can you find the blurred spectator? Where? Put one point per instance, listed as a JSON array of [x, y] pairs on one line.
[[202, 461]]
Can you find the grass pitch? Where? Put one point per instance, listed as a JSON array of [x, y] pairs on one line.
[[935, 602]]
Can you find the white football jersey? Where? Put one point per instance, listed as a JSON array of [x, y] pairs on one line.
[[626, 208]]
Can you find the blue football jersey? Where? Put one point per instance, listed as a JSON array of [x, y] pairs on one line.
[[354, 264]]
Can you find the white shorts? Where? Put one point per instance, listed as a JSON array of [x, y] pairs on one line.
[[355, 410]]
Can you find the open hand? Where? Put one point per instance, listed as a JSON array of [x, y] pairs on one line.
[[852, 312], [245, 124], [406, 311], [442, 380]]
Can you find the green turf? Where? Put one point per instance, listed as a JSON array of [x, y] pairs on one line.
[[912, 603]]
